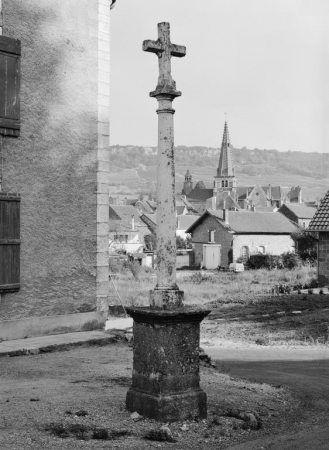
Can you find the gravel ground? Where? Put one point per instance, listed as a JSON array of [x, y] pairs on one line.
[[76, 400]]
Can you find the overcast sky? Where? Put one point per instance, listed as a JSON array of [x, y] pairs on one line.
[[263, 62]]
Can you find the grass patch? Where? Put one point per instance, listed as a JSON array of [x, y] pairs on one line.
[[216, 287]]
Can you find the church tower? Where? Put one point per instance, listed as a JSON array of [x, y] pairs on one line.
[[188, 184], [225, 179]]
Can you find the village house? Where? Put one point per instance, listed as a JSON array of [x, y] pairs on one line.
[[320, 224], [183, 222], [221, 237], [54, 157], [298, 213], [263, 198], [127, 230]]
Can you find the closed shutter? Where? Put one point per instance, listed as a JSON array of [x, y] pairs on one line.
[[10, 53], [9, 242]]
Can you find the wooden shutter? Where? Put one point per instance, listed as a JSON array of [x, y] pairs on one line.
[[9, 242], [10, 53]]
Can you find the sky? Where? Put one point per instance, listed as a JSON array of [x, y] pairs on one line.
[[265, 63]]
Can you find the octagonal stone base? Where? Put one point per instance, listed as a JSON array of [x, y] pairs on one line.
[[165, 381], [169, 408]]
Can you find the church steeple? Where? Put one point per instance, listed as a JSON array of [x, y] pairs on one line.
[[225, 179], [188, 183], [225, 165]]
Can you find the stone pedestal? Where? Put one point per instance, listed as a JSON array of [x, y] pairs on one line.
[[165, 382]]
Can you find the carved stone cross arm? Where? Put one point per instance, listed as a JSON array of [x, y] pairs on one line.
[[164, 50]]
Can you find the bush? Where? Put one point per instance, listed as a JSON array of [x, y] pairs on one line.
[[264, 261], [290, 260], [306, 245]]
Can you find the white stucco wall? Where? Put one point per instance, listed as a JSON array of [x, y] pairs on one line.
[[304, 222], [274, 244]]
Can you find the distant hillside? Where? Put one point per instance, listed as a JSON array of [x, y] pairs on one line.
[[254, 162]]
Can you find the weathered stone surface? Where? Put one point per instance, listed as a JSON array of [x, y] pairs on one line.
[[57, 163], [165, 382], [166, 299], [175, 407]]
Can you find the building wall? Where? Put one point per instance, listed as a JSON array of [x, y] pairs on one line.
[[257, 197], [274, 244], [304, 222], [60, 163], [323, 258], [200, 236]]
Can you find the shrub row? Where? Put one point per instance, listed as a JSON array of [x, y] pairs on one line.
[[286, 260]]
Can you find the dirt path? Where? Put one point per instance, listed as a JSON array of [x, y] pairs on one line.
[[75, 399], [305, 371]]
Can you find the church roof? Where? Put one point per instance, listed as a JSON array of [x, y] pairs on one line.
[[320, 221], [243, 191], [200, 194], [225, 166]]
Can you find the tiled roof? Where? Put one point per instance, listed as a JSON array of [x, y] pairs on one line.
[[300, 210], [152, 204], [130, 201], [125, 212], [151, 217], [144, 206], [266, 209], [200, 194], [259, 222], [185, 221], [320, 221], [252, 222]]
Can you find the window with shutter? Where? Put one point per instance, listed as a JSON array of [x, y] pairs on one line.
[[9, 242], [10, 54]]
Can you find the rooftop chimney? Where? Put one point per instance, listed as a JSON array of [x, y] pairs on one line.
[[300, 195], [225, 216], [213, 203], [133, 223]]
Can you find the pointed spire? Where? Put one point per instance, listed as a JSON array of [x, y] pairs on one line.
[[188, 176], [225, 166]]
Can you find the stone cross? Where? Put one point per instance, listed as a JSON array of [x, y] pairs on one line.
[[166, 294], [165, 381], [164, 50]]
